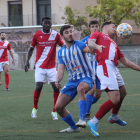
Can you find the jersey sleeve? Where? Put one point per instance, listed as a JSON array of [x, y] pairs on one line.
[[34, 41], [81, 45], [94, 35], [120, 54], [60, 60], [60, 41], [9, 47]]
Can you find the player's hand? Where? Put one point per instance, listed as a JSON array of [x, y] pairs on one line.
[[58, 85], [100, 47], [77, 35], [27, 67], [13, 62]]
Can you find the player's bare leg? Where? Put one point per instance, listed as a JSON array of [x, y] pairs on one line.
[[37, 93], [55, 96], [114, 118], [62, 101], [7, 78]]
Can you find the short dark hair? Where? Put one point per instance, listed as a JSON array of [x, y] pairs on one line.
[[108, 23], [94, 22], [64, 27], [47, 18], [2, 32]]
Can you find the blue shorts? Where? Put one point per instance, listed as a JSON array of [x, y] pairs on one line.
[[70, 88], [98, 84]]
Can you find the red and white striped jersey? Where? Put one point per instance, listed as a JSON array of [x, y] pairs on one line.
[[3, 50], [111, 52], [46, 48]]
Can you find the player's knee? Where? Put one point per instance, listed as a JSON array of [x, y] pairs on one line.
[[80, 89], [58, 108], [39, 87]]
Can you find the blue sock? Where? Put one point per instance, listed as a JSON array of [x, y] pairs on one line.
[[89, 102], [69, 120], [82, 108], [94, 100]]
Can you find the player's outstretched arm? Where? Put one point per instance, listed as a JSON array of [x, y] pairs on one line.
[[93, 46], [11, 53], [60, 74], [129, 64], [30, 52]]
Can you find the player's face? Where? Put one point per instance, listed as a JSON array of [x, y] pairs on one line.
[[111, 29], [46, 25], [94, 28], [3, 36], [67, 35]]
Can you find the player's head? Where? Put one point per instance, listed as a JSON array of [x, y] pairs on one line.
[[94, 26], [46, 23], [109, 27], [66, 33], [2, 36]]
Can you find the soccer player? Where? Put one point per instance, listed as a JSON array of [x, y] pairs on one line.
[[45, 41], [72, 56], [4, 62], [108, 73], [94, 94]]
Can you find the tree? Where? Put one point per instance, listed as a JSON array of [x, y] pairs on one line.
[[116, 10]]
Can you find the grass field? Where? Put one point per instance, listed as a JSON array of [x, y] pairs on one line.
[[16, 105]]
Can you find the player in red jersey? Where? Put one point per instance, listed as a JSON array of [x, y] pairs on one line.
[[4, 62], [108, 73], [45, 41]]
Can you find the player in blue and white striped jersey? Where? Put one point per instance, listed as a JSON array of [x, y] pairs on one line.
[[73, 57], [94, 94]]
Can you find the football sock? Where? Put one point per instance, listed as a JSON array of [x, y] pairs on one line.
[[7, 80], [104, 108], [115, 116], [89, 102], [69, 120], [116, 108], [36, 99], [94, 120], [55, 96], [82, 108], [94, 100]]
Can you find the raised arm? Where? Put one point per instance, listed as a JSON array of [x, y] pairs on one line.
[[129, 64], [60, 74], [93, 46], [30, 52]]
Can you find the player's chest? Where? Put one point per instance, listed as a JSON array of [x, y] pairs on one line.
[[3, 46], [45, 41]]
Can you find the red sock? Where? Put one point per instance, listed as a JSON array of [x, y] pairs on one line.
[[104, 108], [116, 108], [36, 99], [55, 96], [7, 80]]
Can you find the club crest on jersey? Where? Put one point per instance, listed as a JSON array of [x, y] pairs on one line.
[[41, 36], [75, 53]]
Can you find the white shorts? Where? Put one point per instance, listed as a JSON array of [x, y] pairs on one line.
[[109, 76], [2, 65], [40, 75]]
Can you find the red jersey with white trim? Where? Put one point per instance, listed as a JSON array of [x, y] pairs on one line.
[[46, 48], [4, 46], [111, 52]]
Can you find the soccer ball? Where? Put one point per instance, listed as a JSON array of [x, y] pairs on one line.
[[124, 30]]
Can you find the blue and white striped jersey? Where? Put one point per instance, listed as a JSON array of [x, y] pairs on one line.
[[91, 56], [76, 61]]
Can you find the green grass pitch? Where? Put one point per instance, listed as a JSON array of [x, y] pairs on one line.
[[16, 105]]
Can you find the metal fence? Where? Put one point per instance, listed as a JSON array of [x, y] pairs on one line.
[[20, 59]]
